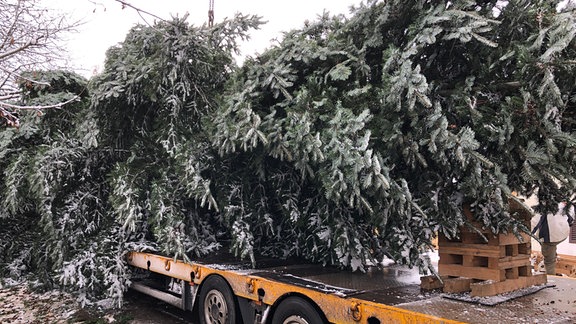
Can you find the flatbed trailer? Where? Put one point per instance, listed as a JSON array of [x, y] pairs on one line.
[[225, 290]]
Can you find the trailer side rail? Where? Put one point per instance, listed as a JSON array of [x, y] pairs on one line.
[[269, 293]]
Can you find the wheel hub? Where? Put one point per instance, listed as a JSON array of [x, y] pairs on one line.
[[216, 308], [214, 311]]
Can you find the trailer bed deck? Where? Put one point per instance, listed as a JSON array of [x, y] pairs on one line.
[[400, 287], [396, 287]]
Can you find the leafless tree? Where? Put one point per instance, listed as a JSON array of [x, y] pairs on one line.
[[30, 39]]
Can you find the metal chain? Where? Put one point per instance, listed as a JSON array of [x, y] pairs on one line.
[[210, 13]]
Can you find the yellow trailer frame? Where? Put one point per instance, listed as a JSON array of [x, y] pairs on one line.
[[269, 293]]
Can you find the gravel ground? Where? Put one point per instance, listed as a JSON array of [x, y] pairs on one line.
[[20, 305]]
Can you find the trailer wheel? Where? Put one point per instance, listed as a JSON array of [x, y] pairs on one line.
[[295, 310], [217, 304]]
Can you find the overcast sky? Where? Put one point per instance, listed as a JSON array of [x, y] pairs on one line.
[[106, 23]]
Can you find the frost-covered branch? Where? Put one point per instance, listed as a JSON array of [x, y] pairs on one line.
[[38, 107]]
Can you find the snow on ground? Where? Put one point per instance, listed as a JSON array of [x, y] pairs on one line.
[[20, 305]]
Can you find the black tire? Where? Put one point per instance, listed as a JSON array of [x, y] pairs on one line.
[[295, 310], [217, 303]]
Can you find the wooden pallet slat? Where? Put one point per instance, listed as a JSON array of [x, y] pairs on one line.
[[469, 249], [458, 285], [481, 273], [490, 288], [514, 262], [509, 239]]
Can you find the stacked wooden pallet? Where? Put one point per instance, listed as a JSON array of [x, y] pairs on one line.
[[565, 264], [483, 263]]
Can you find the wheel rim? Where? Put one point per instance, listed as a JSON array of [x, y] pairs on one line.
[[215, 307], [295, 319]]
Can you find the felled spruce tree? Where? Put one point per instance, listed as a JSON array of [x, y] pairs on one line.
[[351, 139], [49, 185], [152, 101], [358, 137], [121, 169], [56, 223]]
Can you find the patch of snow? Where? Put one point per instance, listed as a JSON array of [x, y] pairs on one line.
[[387, 262], [106, 303], [8, 282]]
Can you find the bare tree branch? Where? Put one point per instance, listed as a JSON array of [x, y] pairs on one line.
[[140, 11], [29, 43], [10, 96], [30, 38], [9, 38], [38, 107], [25, 78]]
